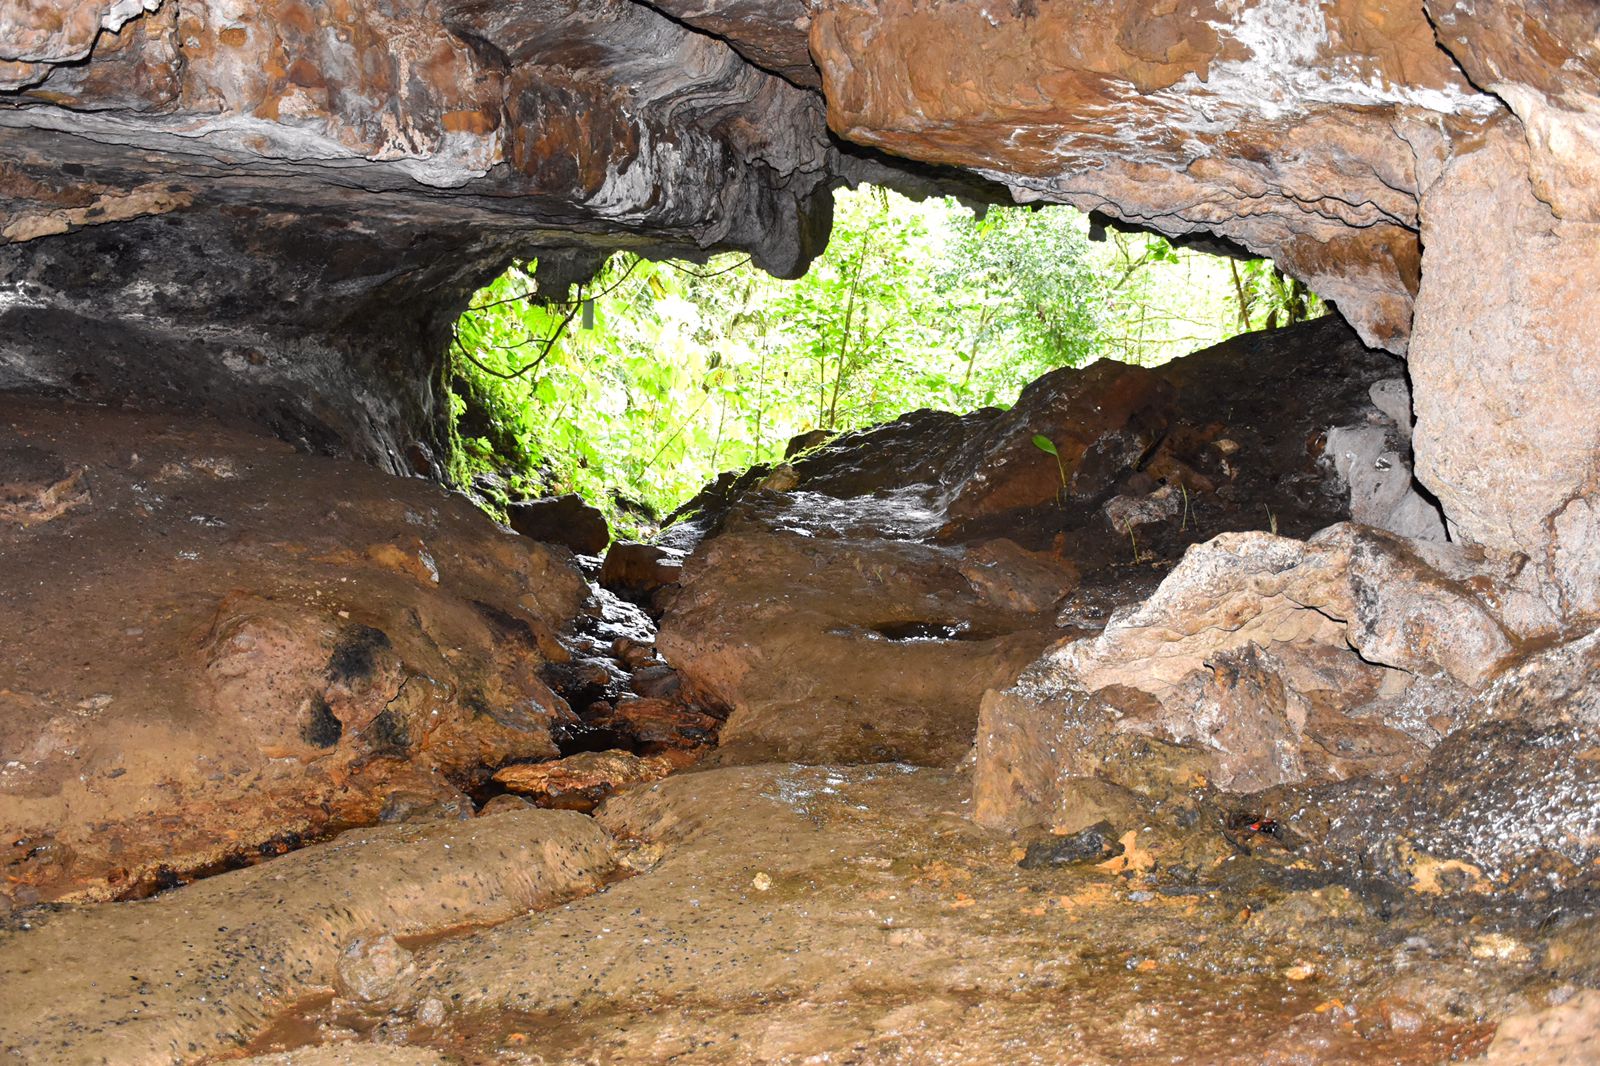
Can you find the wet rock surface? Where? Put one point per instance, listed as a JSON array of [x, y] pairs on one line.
[[1351, 775], [1322, 795], [192, 973], [205, 669], [858, 613], [858, 913]]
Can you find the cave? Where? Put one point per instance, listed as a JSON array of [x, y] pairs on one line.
[[1255, 721]]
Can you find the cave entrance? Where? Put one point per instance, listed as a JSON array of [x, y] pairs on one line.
[[636, 388]]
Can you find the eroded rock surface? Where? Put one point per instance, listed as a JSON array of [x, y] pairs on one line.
[[197, 972], [810, 912], [205, 667], [854, 604], [1383, 699]]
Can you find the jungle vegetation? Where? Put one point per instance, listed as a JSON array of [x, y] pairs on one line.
[[639, 386]]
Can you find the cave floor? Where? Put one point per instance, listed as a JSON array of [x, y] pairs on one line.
[[809, 914]]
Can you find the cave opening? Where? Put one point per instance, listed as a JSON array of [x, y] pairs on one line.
[[638, 387], [993, 700]]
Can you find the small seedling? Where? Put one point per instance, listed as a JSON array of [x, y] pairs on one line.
[[1272, 522], [1048, 446], [1134, 540], [1188, 515]]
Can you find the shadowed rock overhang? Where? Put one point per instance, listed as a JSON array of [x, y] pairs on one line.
[[275, 214]]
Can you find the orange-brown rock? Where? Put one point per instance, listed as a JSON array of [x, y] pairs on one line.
[[639, 570], [861, 614], [200, 673], [579, 782], [362, 168], [1235, 119]]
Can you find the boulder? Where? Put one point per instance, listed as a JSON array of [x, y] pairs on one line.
[[260, 677], [564, 520], [579, 782], [860, 613], [638, 571], [1262, 662], [843, 649], [1348, 585]]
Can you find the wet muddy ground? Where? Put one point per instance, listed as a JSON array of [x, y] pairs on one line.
[[857, 915]]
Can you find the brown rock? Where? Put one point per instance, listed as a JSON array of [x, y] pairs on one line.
[[660, 722], [36, 487], [1561, 1035], [503, 804], [1169, 115], [579, 782], [841, 650], [638, 570], [565, 520], [1013, 578], [259, 679], [205, 958]]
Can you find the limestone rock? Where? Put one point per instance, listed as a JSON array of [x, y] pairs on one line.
[[1560, 1035], [565, 520], [1374, 459], [268, 138], [261, 675], [1170, 117], [36, 487], [351, 1055], [579, 782], [862, 614], [1502, 359], [1348, 584], [203, 960], [1503, 804], [375, 969], [1241, 673]]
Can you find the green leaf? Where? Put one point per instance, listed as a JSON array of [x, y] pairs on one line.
[[1045, 444]]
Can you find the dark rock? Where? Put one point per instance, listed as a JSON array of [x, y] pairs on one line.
[[637, 571], [659, 681], [1095, 844], [565, 520]]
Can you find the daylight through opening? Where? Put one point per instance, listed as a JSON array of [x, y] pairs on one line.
[[639, 387]]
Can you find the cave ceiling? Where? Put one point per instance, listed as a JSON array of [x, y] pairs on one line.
[[286, 176]]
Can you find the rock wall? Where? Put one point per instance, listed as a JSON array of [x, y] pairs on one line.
[[1504, 366]]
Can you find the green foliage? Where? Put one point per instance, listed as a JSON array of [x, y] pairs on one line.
[[1048, 446], [690, 370]]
